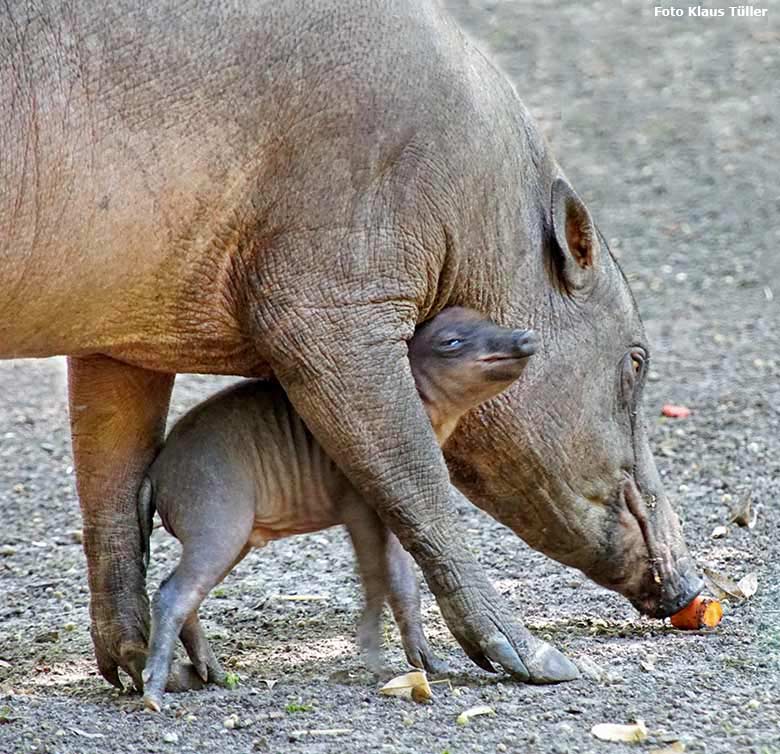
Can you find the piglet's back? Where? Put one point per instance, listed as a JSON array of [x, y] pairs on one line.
[[212, 456]]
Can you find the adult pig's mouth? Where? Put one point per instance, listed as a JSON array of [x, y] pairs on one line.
[[670, 581]]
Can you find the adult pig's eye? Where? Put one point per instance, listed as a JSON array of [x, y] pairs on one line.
[[631, 372]]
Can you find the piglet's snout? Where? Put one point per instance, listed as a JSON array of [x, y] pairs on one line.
[[524, 343]]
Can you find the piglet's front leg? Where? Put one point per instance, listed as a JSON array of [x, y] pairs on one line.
[[387, 573]]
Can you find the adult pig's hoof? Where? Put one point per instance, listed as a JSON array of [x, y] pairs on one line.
[[547, 665]]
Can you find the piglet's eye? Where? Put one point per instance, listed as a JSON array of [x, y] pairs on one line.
[[452, 343]]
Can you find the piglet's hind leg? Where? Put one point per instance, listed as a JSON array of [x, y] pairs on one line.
[[200, 651], [177, 599]]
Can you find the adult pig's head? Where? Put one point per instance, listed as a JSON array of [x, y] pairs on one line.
[[562, 457]]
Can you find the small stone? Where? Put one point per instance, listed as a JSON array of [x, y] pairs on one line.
[[590, 669], [170, 738], [76, 536], [754, 704], [719, 532], [408, 720], [68, 626], [7, 551], [501, 747], [230, 722]]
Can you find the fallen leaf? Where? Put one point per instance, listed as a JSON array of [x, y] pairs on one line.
[[741, 590], [321, 732], [481, 709], [678, 747], [626, 733], [302, 597], [748, 585], [412, 685], [84, 733], [742, 515], [675, 412], [719, 532], [721, 584]]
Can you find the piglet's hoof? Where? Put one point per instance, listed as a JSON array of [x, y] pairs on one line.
[[184, 677]]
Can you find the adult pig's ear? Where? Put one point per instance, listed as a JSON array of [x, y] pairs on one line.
[[575, 234]]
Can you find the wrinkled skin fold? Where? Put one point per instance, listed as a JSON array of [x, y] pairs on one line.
[[290, 187]]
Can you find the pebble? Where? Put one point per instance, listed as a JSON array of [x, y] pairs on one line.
[[230, 722], [170, 738], [590, 669]]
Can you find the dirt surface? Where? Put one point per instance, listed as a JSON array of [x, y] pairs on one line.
[[668, 128]]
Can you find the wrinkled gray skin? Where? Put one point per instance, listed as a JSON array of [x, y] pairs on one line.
[[289, 187], [241, 469]]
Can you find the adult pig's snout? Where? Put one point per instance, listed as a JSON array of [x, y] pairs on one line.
[[671, 581]]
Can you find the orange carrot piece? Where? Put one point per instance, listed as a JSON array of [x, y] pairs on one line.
[[701, 612]]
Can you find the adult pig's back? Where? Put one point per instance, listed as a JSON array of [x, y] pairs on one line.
[[150, 150]]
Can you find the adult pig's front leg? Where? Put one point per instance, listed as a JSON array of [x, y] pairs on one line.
[[345, 368], [117, 416]]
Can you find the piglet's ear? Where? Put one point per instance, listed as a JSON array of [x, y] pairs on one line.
[[576, 235]]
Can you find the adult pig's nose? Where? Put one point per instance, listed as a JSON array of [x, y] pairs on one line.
[[524, 343]]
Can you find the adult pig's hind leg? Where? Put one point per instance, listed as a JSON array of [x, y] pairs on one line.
[[201, 568], [117, 418]]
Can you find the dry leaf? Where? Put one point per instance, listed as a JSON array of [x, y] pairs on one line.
[[627, 733], [741, 590], [84, 733], [481, 709], [321, 732], [748, 585], [412, 685], [678, 747], [742, 514], [302, 597], [719, 532]]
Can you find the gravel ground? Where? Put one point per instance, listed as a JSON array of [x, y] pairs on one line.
[[668, 128]]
